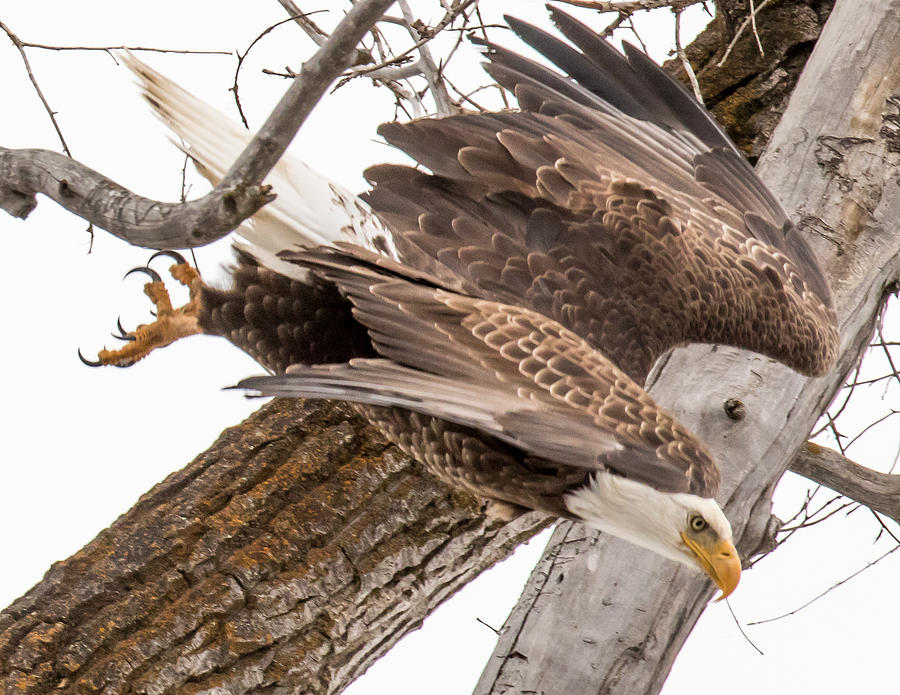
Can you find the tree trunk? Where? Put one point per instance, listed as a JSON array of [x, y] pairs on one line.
[[581, 625], [295, 551]]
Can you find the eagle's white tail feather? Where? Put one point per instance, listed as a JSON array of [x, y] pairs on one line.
[[309, 208]]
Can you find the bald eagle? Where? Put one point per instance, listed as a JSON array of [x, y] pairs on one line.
[[495, 311]]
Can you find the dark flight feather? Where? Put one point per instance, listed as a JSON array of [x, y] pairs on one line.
[[622, 211]]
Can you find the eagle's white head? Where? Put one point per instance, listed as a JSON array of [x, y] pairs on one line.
[[690, 529]]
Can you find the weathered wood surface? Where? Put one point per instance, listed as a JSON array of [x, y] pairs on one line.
[[294, 552], [833, 160]]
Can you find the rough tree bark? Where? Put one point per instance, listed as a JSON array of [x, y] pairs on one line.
[[292, 554], [750, 94], [580, 625]]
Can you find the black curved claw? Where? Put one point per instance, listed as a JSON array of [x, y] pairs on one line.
[[174, 255], [122, 334], [154, 276], [88, 362]]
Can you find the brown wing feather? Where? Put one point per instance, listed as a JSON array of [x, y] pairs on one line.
[[478, 462], [504, 370], [631, 221]]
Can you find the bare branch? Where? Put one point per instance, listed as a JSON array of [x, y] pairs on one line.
[[133, 49], [235, 88], [871, 425], [152, 224], [442, 101], [629, 23], [404, 57], [315, 33], [309, 27], [630, 6], [878, 491], [895, 373], [682, 56], [741, 629], [755, 31], [50, 112], [817, 516], [483, 28], [750, 20]]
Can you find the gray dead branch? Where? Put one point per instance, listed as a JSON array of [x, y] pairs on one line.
[[880, 492], [158, 225]]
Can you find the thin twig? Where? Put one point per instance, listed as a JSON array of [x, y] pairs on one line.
[[442, 102], [682, 56], [737, 34], [485, 37], [405, 55], [884, 528], [838, 437], [402, 96], [870, 426], [634, 31], [741, 628], [828, 590], [873, 380], [489, 627], [240, 63], [184, 187], [21, 48], [809, 519], [467, 97], [887, 352], [755, 32], [630, 6], [133, 49]]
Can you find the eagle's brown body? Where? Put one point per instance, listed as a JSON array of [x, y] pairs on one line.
[[621, 214], [509, 300]]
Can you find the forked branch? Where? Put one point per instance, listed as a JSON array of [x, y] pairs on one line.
[[153, 224]]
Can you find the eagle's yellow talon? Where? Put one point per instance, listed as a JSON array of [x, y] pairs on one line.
[[170, 325]]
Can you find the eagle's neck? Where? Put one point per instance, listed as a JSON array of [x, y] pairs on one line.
[[640, 514]]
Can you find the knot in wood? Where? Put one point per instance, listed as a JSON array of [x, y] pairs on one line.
[[734, 409]]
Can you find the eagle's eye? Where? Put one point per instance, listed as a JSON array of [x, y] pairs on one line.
[[698, 523]]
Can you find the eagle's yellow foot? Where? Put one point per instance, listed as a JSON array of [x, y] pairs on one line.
[[170, 325]]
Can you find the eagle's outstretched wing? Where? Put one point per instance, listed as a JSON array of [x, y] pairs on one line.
[[611, 203], [501, 369]]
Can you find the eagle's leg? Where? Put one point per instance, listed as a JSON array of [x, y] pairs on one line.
[[171, 323]]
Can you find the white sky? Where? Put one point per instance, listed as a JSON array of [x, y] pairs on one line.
[[81, 445]]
